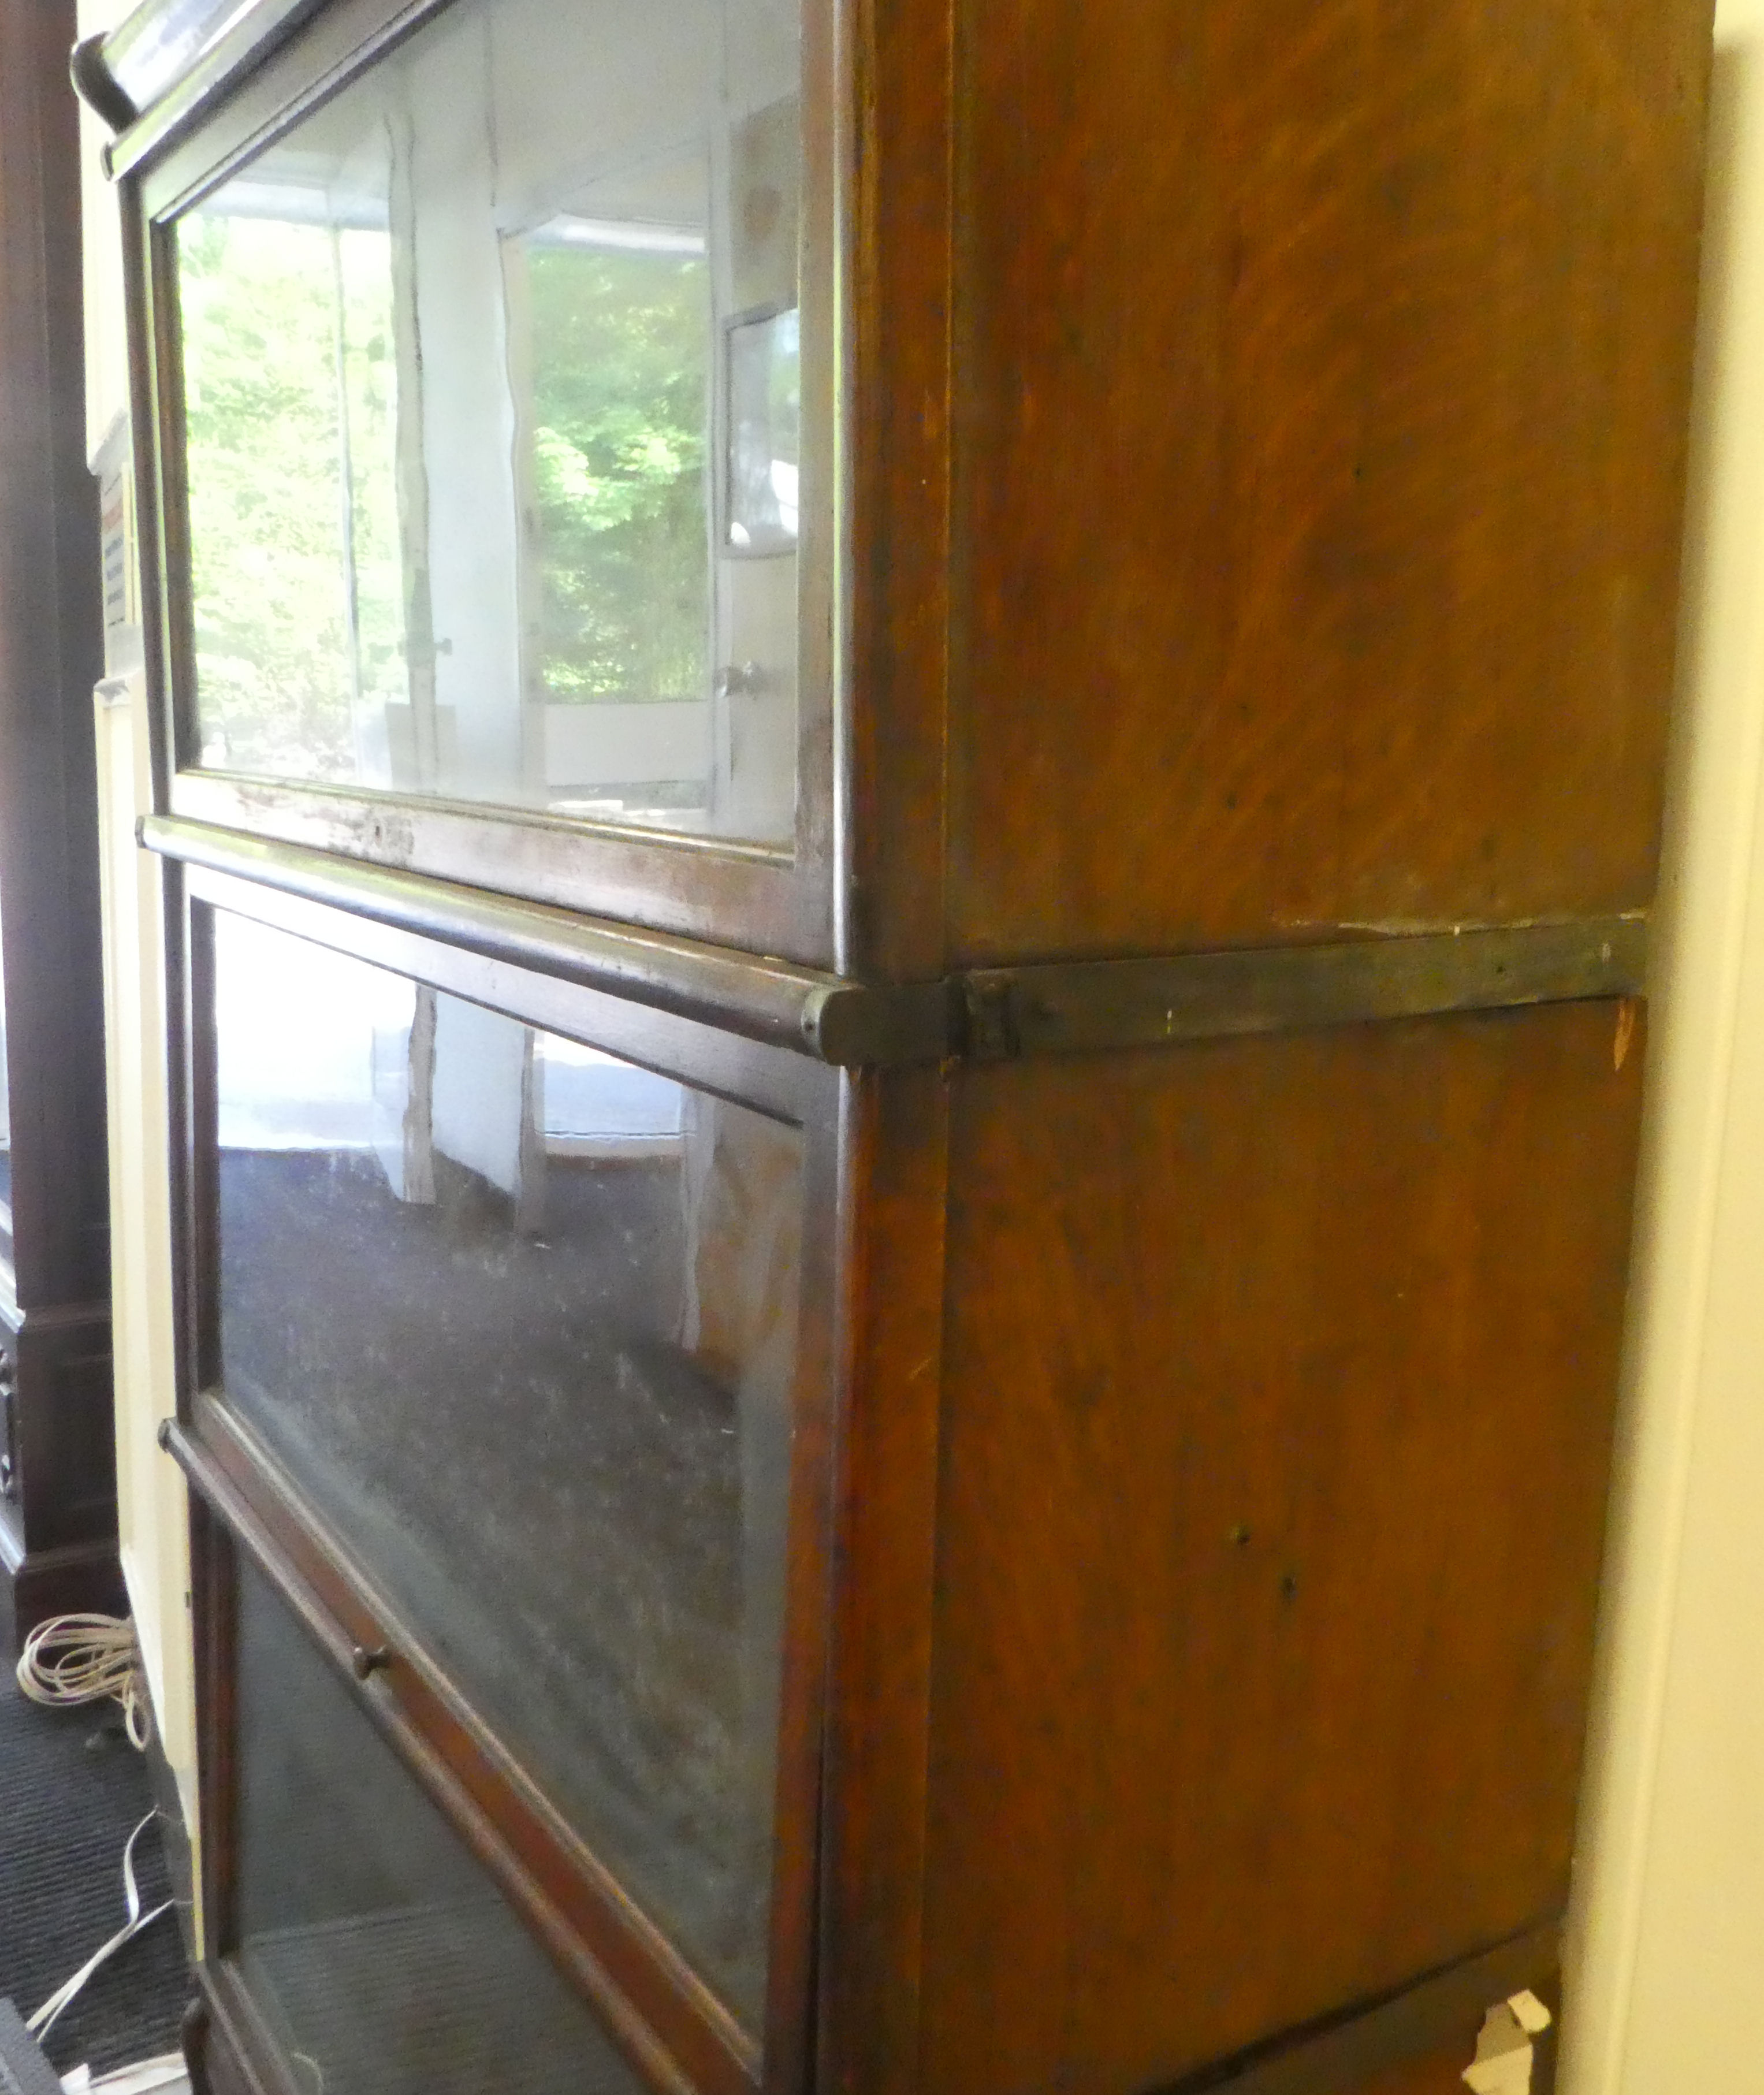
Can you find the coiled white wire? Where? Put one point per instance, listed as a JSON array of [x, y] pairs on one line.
[[86, 1658]]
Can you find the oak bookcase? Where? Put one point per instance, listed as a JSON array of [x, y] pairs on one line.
[[910, 756]]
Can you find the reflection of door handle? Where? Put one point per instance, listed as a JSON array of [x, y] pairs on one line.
[[742, 680]]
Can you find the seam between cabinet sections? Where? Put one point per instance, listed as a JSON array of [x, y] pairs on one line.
[[986, 1014]]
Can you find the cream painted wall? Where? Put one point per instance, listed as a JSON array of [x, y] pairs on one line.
[[1666, 1991], [151, 1502]]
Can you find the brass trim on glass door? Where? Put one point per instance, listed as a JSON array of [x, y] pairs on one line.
[[844, 1023]]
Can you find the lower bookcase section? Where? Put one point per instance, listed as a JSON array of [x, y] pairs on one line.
[[368, 1953]]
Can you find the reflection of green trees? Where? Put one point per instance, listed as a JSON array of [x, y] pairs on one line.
[[619, 358], [259, 302], [620, 352]]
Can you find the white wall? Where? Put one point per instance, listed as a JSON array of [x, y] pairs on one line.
[[151, 1502], [1665, 1980]]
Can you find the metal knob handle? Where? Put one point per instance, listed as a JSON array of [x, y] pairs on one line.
[[742, 680]]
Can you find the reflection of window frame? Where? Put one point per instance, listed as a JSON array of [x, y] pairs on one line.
[[727, 424], [332, 212], [646, 718], [643, 238]]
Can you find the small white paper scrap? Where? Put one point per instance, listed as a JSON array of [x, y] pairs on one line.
[[1530, 2013], [1503, 2062]]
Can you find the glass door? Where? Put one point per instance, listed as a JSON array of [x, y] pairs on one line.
[[498, 431], [488, 494], [508, 1370]]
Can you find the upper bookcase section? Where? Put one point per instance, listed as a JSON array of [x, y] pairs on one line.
[[937, 484]]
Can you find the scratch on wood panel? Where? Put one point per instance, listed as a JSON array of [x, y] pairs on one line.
[[1410, 927], [1626, 1032]]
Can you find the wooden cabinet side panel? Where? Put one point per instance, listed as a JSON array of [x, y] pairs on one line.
[[885, 1553], [1442, 2073], [1322, 381], [895, 319], [1278, 1380]]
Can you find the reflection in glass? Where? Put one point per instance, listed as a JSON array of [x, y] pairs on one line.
[[6, 1131], [521, 1318], [459, 352], [765, 397], [293, 512], [619, 338], [383, 1959]]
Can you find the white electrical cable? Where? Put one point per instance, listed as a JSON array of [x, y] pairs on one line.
[[86, 1658], [45, 2019], [169, 2070]]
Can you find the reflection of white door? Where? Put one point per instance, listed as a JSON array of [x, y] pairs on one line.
[[487, 1102], [404, 1097], [456, 388], [756, 213]]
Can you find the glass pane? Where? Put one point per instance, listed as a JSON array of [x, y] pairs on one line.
[[6, 1128], [492, 396], [382, 1958], [765, 447], [522, 1319]]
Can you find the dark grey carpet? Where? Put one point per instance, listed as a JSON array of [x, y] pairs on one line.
[[72, 1790]]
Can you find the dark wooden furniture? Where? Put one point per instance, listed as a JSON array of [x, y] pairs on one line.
[[57, 1473], [932, 1392]]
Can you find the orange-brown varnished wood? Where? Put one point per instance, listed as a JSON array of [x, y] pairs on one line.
[[897, 166], [1441, 2073], [1278, 1377], [1320, 381], [876, 1793]]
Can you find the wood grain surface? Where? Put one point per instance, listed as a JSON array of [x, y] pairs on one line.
[[876, 1807], [1279, 1378], [1322, 374], [1441, 2074]]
